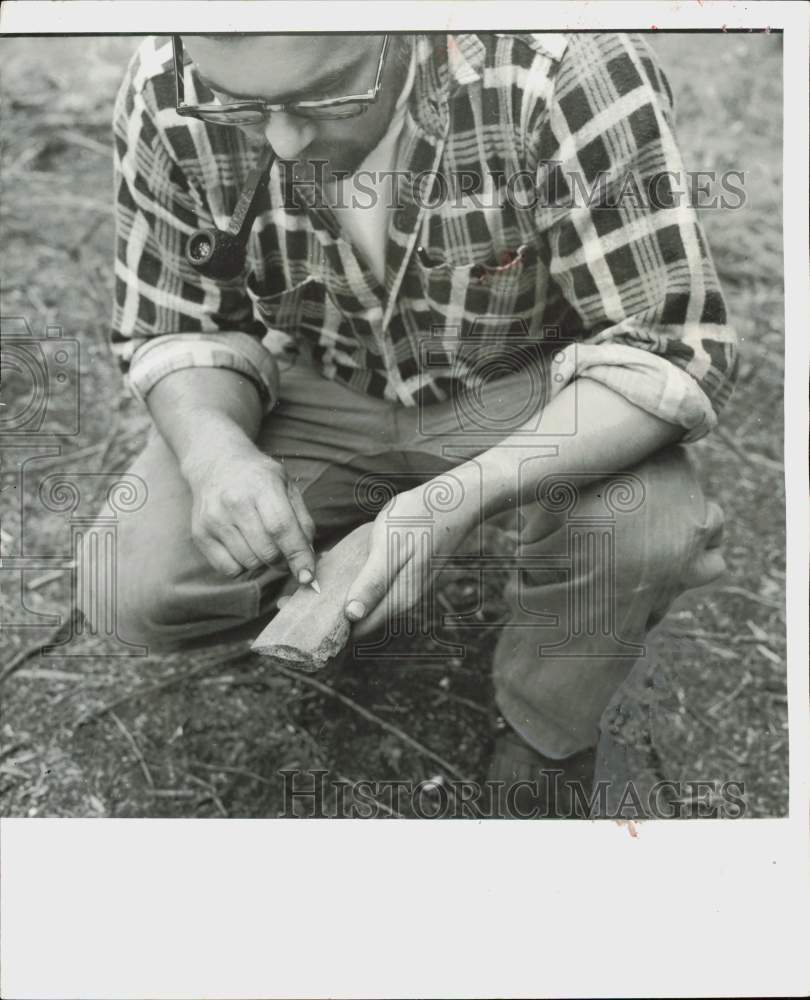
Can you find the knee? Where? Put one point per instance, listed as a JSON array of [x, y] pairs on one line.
[[173, 606], [148, 612], [671, 540], [134, 606], [651, 525], [137, 599]]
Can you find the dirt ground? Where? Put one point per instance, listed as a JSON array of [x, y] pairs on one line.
[[89, 733]]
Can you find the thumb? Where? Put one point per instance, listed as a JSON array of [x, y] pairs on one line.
[[372, 582]]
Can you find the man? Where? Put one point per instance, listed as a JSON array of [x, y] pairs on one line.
[[411, 312]]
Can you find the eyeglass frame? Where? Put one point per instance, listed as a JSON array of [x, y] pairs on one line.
[[265, 107]]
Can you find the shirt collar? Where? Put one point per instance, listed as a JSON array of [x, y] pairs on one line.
[[465, 59], [443, 65]]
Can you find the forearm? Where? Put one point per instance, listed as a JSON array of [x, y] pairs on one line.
[[201, 412], [612, 434]]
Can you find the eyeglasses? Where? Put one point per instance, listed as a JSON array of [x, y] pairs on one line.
[[255, 112]]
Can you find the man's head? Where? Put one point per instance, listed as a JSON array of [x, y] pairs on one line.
[[286, 68]]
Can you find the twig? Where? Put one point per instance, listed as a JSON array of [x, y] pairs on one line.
[[111, 438], [146, 690], [441, 667], [722, 702], [74, 248], [31, 152], [301, 678], [141, 692], [741, 760], [58, 460], [31, 651], [65, 119], [722, 651], [769, 654], [72, 201], [376, 801], [135, 749], [71, 135], [450, 696], [228, 769], [49, 577], [742, 592], [310, 739], [104, 447], [752, 457], [173, 793], [8, 751], [212, 792], [47, 674], [728, 637]]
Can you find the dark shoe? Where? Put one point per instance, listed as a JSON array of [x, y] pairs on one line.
[[524, 784]]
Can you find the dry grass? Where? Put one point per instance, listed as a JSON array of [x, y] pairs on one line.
[[95, 735]]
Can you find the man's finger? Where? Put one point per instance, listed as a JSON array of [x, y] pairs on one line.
[[288, 536], [400, 599], [298, 504], [233, 540], [219, 557], [257, 537]]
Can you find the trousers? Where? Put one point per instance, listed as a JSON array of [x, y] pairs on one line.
[[595, 565]]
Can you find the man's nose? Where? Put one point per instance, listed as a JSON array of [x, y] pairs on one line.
[[288, 135]]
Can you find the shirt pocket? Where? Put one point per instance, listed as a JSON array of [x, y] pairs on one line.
[[288, 314], [486, 318], [491, 299]]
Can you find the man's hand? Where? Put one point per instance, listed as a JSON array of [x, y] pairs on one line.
[[613, 434], [398, 572], [246, 513]]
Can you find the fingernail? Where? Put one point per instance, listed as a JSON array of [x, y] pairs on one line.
[[304, 576], [354, 609]]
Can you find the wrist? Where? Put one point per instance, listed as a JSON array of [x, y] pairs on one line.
[[214, 437], [484, 494], [457, 497], [501, 480]]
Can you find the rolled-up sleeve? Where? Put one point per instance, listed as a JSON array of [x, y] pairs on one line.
[[626, 250], [166, 316]]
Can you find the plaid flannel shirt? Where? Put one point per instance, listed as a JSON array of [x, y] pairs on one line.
[[626, 295]]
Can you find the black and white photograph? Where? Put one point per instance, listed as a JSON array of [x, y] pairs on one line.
[[393, 427]]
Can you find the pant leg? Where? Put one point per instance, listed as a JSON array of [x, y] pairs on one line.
[[168, 596], [578, 627], [602, 568]]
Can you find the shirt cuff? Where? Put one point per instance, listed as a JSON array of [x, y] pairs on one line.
[[235, 351], [648, 380]]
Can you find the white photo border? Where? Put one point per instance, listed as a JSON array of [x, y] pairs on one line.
[[274, 908]]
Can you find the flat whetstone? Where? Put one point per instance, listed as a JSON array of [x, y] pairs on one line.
[[312, 628]]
